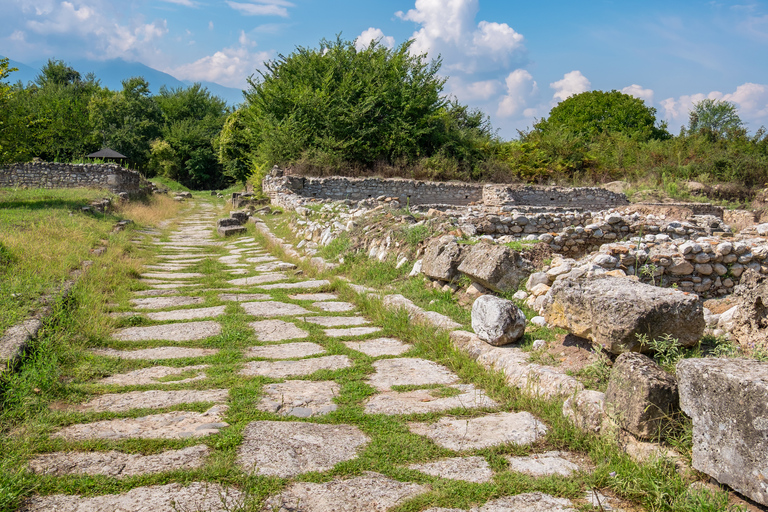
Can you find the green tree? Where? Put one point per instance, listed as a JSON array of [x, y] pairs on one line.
[[589, 114], [339, 103], [57, 72], [8, 128], [233, 147], [716, 118]]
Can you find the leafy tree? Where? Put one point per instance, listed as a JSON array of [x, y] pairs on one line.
[[233, 147], [337, 102], [8, 132], [589, 114], [193, 102], [57, 72], [716, 118]]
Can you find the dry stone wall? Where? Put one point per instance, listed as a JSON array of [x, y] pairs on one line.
[[112, 177]]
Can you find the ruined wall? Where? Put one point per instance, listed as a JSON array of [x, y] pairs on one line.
[[112, 177], [581, 197]]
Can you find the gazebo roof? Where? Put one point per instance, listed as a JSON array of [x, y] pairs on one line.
[[106, 153]]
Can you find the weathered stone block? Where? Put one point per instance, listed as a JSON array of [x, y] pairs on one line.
[[231, 230], [495, 266], [585, 410], [223, 223], [727, 399], [641, 397], [442, 258], [497, 321], [613, 311]]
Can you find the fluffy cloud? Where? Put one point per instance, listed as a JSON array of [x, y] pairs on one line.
[[521, 91], [638, 92], [751, 100], [230, 66], [262, 8], [373, 34], [571, 84]]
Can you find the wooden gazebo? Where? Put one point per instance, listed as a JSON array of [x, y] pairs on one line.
[[109, 155]]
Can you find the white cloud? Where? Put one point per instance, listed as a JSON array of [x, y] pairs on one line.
[[262, 8], [185, 3], [482, 90], [210, 25], [750, 99], [571, 84], [638, 92], [521, 90], [373, 34], [230, 66]]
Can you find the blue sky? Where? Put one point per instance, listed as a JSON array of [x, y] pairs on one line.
[[513, 59]]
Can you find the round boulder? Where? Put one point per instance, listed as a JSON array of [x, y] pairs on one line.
[[497, 321]]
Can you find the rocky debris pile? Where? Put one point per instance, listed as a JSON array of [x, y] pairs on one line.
[[747, 321]]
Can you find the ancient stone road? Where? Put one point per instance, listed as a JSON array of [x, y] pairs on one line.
[[293, 442]]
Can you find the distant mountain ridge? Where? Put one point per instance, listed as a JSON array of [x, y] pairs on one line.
[[111, 73]]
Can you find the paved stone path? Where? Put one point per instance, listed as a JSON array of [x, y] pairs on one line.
[[299, 339]]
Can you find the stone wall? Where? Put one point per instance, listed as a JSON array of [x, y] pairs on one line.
[[581, 197], [112, 177]]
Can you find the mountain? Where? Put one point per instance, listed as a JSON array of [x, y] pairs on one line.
[[112, 72]]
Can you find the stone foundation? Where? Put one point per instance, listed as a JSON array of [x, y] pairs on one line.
[[112, 177]]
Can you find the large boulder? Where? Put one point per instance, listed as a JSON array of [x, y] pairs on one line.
[[727, 399], [442, 258], [641, 397], [497, 321], [495, 266], [612, 311], [750, 325]]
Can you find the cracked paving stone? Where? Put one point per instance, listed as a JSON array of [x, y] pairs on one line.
[[335, 321], [254, 280], [243, 297], [475, 433], [153, 374], [172, 275], [152, 399], [317, 283], [117, 464], [285, 351], [166, 302], [300, 398], [170, 332], [409, 371], [273, 308], [379, 347], [275, 265], [371, 492], [427, 400], [288, 448], [352, 331], [157, 353], [156, 498], [277, 330], [282, 369], [260, 259], [169, 425], [334, 307], [314, 296], [530, 502], [187, 314], [470, 469], [542, 464]]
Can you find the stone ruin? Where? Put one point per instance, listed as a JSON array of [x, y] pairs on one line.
[[113, 177]]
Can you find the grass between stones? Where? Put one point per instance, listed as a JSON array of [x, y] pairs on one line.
[[61, 372]]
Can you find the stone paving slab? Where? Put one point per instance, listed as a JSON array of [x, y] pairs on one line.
[[156, 293], [470, 469], [166, 302], [371, 492], [283, 369], [166, 266], [254, 280], [172, 275], [170, 332], [187, 261], [379, 347], [289, 448], [421, 401], [157, 353], [352, 331], [170, 286], [409, 371], [336, 321], [185, 256], [230, 259], [261, 259], [285, 351], [117, 464], [187, 314], [473, 434], [334, 307], [153, 374], [273, 308], [238, 272], [300, 398], [243, 297], [152, 399], [169, 425], [314, 296], [315, 283], [542, 464], [276, 330], [274, 265], [197, 496], [530, 502]]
